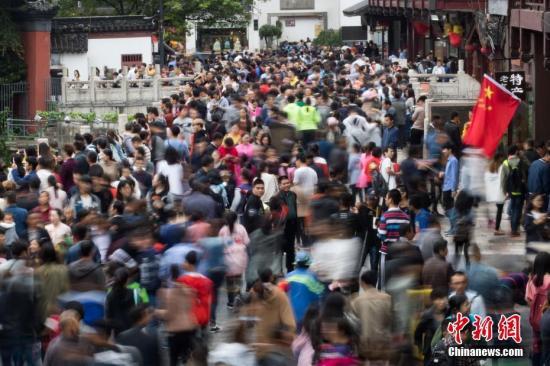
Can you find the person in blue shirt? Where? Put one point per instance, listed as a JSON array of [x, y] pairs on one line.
[[538, 179], [450, 182], [179, 144], [73, 254], [303, 287], [390, 136], [175, 255], [435, 137], [419, 204], [30, 167], [19, 214], [212, 265]]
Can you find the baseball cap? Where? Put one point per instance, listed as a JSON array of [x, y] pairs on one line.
[[303, 258], [158, 124]]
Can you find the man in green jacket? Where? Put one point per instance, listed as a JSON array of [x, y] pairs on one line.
[[292, 110], [308, 119]]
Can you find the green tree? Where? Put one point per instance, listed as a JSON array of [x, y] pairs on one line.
[[12, 67], [329, 37], [102, 7], [269, 32], [177, 13]]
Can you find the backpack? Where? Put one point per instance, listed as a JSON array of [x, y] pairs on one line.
[[357, 132], [217, 114], [536, 308], [379, 184], [245, 194], [439, 358], [515, 182], [220, 203]]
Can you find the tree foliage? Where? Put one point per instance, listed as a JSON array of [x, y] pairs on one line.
[[270, 32], [329, 37], [106, 7], [177, 13], [12, 67]]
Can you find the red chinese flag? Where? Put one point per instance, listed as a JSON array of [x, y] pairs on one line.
[[491, 116]]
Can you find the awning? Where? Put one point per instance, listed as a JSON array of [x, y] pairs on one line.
[[357, 9]]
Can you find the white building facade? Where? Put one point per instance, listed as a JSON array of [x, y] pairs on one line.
[[300, 19], [83, 43]]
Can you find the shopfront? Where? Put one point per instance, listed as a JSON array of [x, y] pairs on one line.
[[221, 39]]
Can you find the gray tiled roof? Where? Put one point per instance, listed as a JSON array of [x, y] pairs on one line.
[[70, 35]]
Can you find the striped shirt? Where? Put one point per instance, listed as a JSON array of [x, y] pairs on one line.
[[390, 225]]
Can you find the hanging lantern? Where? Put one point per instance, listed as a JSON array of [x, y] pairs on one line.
[[470, 48], [457, 28], [421, 28], [455, 39], [447, 28], [485, 51]]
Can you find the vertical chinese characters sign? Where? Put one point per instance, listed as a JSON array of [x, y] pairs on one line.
[[514, 81]]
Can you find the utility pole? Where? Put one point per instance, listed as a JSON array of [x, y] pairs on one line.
[[161, 33]]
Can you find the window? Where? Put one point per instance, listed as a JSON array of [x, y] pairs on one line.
[[129, 60], [297, 4]]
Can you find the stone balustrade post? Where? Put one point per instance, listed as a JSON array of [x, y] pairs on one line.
[[122, 121], [124, 88], [91, 85], [64, 80], [157, 87]]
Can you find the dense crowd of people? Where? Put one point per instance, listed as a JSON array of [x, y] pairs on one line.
[[271, 186]]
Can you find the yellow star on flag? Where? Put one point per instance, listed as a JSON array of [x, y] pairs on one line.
[[488, 93]]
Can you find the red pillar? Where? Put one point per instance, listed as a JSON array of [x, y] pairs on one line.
[[37, 58], [35, 23]]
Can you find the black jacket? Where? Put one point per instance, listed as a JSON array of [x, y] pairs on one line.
[[253, 212], [534, 232], [453, 131]]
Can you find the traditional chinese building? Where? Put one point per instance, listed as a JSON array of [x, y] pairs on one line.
[[34, 21], [436, 28], [83, 43], [530, 50]]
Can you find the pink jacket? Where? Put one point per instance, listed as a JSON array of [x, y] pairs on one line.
[[303, 350], [239, 235]]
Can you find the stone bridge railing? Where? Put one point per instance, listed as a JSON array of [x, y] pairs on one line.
[[122, 96], [459, 86]]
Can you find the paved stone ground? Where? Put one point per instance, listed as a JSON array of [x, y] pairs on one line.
[[502, 252]]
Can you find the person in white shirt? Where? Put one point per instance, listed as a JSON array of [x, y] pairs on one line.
[[57, 230], [131, 73], [305, 180], [58, 197], [271, 185], [356, 128], [438, 69], [43, 173], [305, 177], [387, 169], [171, 168]]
